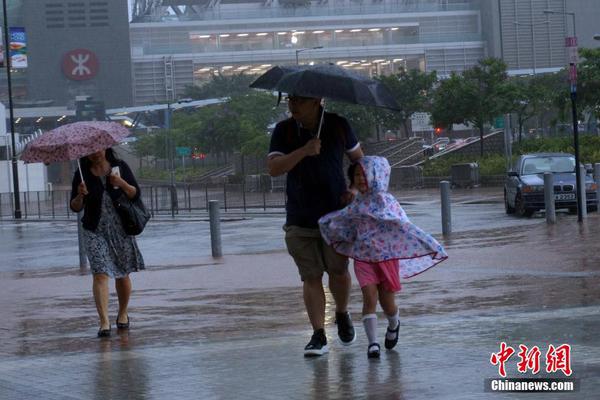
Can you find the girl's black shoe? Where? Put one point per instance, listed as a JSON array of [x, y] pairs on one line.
[[391, 343], [374, 350]]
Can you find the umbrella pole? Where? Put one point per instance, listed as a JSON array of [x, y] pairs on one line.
[[80, 172], [321, 121]]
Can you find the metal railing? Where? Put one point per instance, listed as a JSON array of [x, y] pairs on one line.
[[157, 198]]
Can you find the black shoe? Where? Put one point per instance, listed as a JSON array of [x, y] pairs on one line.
[[390, 344], [121, 325], [104, 333], [374, 350], [345, 328], [317, 345]]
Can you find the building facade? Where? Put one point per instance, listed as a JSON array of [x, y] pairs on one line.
[[77, 48], [526, 37], [177, 43]]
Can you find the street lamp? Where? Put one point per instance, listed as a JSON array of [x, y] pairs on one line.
[[15, 164], [298, 51], [169, 149], [579, 184]]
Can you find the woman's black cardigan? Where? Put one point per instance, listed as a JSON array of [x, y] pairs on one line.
[[93, 201]]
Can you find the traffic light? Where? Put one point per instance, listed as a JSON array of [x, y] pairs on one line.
[[90, 110]]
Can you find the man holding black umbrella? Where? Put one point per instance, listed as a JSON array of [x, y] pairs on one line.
[[310, 148]]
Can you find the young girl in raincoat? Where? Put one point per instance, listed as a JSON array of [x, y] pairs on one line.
[[375, 231]]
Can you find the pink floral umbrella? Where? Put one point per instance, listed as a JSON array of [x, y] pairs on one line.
[[73, 141]]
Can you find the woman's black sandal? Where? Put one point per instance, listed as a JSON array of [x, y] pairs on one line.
[[102, 333], [121, 325]]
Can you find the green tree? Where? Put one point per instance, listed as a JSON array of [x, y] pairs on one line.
[[477, 96], [411, 90], [533, 96], [588, 87], [221, 86], [447, 106], [227, 127], [364, 120]]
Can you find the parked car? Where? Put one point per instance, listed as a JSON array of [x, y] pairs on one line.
[[524, 187]]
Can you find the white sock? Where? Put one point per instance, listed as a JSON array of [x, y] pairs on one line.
[[370, 323], [393, 321]]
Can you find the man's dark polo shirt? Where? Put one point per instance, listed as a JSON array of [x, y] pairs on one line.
[[315, 185]]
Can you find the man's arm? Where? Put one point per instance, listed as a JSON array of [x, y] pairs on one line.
[[279, 164], [355, 154]]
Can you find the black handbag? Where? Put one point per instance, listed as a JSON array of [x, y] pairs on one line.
[[134, 215]]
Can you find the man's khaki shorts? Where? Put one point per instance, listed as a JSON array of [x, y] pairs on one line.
[[311, 254]]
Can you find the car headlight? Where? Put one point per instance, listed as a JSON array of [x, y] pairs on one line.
[[591, 186], [533, 188]]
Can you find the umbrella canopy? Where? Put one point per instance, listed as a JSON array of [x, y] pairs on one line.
[[271, 78], [73, 141], [327, 81]]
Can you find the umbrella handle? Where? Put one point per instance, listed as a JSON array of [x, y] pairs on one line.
[[80, 173], [321, 121]]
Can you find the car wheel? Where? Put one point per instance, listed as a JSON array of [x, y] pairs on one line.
[[520, 207], [507, 207]]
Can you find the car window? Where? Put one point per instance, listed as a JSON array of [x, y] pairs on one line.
[[539, 165]]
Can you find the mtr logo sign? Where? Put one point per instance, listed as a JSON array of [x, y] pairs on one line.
[[80, 65]]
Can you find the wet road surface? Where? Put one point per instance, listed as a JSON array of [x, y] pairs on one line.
[[235, 327]]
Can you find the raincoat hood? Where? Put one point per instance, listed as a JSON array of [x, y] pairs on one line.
[[377, 173]]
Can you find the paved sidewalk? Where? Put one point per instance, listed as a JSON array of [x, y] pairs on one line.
[[234, 328]]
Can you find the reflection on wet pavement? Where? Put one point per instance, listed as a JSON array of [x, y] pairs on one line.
[[236, 328]]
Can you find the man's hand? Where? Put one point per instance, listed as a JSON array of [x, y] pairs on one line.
[[312, 147]]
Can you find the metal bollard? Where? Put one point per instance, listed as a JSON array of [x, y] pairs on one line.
[[597, 180], [215, 228], [583, 201], [82, 255], [549, 198], [446, 214]]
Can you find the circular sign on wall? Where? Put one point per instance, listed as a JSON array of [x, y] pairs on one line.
[[80, 65]]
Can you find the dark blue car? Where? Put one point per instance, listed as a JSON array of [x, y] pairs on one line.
[[524, 187]]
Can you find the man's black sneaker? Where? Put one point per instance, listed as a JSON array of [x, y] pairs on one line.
[[317, 345], [345, 328]]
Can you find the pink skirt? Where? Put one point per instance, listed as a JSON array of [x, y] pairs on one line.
[[386, 273]]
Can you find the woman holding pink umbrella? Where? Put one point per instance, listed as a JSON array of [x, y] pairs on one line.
[[111, 252], [100, 179]]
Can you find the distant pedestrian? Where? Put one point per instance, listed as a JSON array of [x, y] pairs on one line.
[[375, 231], [111, 252], [315, 187]]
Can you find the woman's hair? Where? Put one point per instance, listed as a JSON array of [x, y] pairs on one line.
[[110, 155], [351, 170]]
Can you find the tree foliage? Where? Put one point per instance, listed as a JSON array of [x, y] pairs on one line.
[[240, 124], [477, 96], [411, 90], [221, 86]]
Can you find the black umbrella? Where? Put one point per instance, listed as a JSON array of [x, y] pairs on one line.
[[327, 81]]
